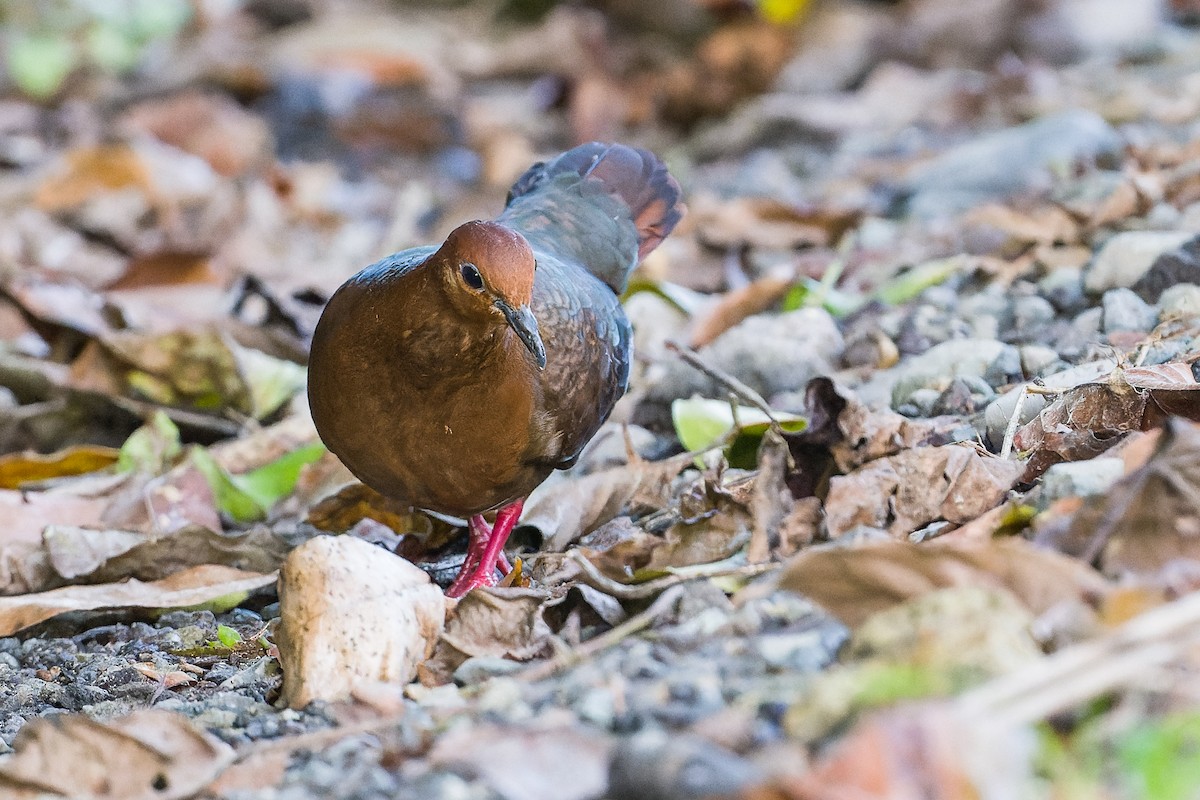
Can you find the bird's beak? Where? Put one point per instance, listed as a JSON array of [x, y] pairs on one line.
[[523, 322]]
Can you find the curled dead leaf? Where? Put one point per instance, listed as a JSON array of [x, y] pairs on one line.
[[162, 756], [855, 582], [905, 492], [222, 586], [504, 623]]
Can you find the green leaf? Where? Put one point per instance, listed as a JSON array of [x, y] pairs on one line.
[[151, 448], [232, 501], [701, 423], [38, 64], [1163, 758], [249, 496], [228, 637], [111, 49], [686, 300], [910, 284], [272, 482]]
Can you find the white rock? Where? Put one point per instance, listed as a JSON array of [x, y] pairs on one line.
[[352, 614], [1127, 256]]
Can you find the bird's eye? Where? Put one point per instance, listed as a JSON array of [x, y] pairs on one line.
[[471, 276]]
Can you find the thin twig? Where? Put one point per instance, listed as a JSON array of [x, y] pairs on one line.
[[1010, 433], [593, 577], [597, 644], [1089, 669], [693, 359]]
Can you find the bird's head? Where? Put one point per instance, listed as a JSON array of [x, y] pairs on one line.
[[487, 270]]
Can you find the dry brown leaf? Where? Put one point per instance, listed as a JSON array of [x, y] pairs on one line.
[[1020, 231], [53, 306], [211, 126], [737, 305], [918, 753], [503, 622], [352, 613], [23, 563], [855, 434], [1149, 518], [905, 492], [764, 222], [158, 755], [84, 555], [572, 761], [88, 172], [1090, 418], [570, 508], [192, 587], [856, 582]]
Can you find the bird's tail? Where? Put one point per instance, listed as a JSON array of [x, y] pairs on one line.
[[637, 177]]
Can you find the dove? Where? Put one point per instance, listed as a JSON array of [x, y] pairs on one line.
[[456, 377]]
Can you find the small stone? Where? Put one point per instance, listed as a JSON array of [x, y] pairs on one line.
[[1019, 159], [936, 367], [1031, 315], [1126, 257], [480, 668], [805, 651], [654, 766], [1180, 302], [1037, 360], [1125, 311], [1063, 287], [1080, 478], [772, 353], [965, 395]]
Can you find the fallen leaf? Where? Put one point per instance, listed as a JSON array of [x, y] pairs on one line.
[[855, 434], [162, 756], [1092, 417], [566, 509], [351, 613], [501, 622], [1149, 518], [855, 582], [212, 126], [737, 305], [572, 759], [200, 369], [23, 563], [925, 752], [701, 423], [198, 586], [905, 492], [22, 468], [83, 555]]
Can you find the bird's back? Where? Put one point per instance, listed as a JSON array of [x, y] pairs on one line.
[[590, 215]]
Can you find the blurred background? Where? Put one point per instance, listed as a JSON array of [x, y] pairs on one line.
[[173, 163]]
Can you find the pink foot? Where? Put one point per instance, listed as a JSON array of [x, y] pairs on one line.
[[485, 550]]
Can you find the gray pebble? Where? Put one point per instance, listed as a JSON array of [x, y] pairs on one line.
[[771, 353], [1181, 301], [1019, 159], [1127, 256], [1080, 478], [1125, 311]]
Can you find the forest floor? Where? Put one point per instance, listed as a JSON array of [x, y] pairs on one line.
[[903, 501]]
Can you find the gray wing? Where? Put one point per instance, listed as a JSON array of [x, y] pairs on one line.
[[588, 347]]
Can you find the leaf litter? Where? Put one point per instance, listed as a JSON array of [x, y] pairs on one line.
[[922, 492]]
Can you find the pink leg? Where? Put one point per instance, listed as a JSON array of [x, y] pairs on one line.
[[485, 554]]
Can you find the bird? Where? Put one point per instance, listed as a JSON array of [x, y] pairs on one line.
[[457, 377]]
